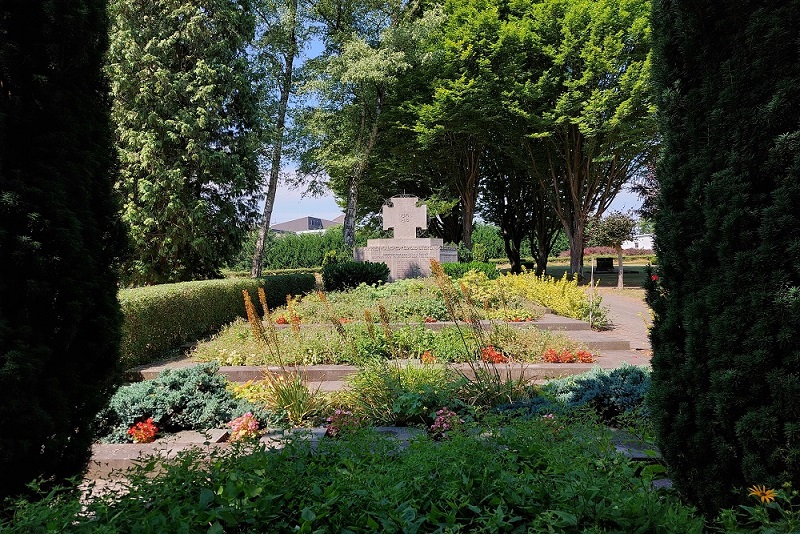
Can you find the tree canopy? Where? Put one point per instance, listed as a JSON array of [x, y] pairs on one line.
[[188, 128]]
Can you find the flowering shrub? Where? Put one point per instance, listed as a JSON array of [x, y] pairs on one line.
[[143, 431], [243, 428], [446, 421], [581, 356], [492, 355], [342, 422]]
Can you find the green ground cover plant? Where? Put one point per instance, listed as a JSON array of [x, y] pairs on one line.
[[534, 476], [361, 342]]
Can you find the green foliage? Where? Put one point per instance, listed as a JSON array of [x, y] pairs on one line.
[[288, 396], [384, 393], [59, 239], [192, 398], [611, 230], [488, 236], [726, 344], [294, 251], [188, 133], [348, 274], [457, 270], [609, 392], [527, 477], [159, 318]]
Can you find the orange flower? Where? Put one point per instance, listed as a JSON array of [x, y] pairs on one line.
[[761, 492], [427, 357]]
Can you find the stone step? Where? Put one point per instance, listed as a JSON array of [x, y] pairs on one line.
[[599, 341]]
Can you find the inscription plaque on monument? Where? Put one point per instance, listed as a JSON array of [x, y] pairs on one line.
[[406, 255]]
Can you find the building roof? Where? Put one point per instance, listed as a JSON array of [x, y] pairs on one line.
[[303, 224]]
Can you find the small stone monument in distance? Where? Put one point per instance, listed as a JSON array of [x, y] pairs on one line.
[[407, 255]]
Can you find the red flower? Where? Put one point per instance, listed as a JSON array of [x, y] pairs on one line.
[[492, 355], [654, 278], [143, 431], [281, 320]]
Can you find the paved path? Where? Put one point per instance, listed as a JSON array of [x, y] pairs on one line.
[[629, 315]]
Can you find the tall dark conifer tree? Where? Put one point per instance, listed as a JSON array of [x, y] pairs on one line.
[[726, 339], [59, 316]]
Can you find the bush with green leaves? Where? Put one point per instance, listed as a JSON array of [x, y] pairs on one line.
[[191, 398], [533, 476], [386, 393], [339, 276], [160, 318], [457, 270]]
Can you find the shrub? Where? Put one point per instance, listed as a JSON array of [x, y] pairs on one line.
[[159, 318], [457, 270], [564, 297], [349, 274], [609, 392], [726, 341], [59, 239], [288, 396], [192, 398], [386, 393]]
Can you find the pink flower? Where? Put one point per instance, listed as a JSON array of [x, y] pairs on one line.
[[244, 427]]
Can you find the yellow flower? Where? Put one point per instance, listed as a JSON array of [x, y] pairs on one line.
[[766, 495]]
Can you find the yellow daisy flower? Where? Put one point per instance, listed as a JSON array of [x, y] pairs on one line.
[[766, 495]]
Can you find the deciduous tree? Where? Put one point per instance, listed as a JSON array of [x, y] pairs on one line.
[[284, 28], [587, 102], [611, 231]]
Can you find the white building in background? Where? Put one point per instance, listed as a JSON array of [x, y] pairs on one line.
[[641, 241]]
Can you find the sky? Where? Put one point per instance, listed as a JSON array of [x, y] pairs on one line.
[[290, 204]]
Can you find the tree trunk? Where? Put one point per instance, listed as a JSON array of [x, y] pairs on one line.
[[575, 238], [512, 246], [277, 150], [349, 229], [541, 254], [620, 284]]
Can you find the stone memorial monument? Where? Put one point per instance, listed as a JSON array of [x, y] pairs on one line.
[[406, 254]]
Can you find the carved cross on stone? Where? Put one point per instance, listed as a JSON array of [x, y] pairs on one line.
[[405, 217]]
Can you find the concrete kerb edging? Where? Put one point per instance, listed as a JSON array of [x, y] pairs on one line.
[[340, 373], [111, 461]]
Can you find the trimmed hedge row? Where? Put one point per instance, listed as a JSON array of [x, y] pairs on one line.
[[457, 270], [162, 317]]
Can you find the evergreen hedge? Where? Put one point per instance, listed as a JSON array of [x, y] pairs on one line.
[[59, 318], [162, 317], [343, 275], [726, 338]]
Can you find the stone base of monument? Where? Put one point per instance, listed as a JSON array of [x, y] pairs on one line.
[[406, 258]]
